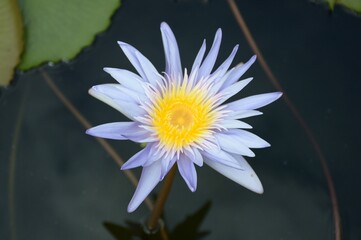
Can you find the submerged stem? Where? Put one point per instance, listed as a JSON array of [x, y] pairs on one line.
[[106, 146], [310, 135], [162, 198], [12, 165]]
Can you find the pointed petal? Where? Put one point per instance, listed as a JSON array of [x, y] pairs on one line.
[[218, 83], [211, 58], [154, 154], [221, 70], [143, 66], [221, 74], [242, 114], [129, 51], [167, 164], [113, 130], [238, 71], [148, 180], [254, 102], [233, 90], [199, 57], [188, 171], [118, 92], [233, 144], [193, 154], [127, 79], [111, 90], [141, 135], [171, 163], [138, 159], [128, 108], [221, 157], [173, 62], [231, 123], [249, 139], [246, 177], [150, 71]]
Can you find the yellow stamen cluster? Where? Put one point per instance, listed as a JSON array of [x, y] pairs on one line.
[[181, 117]]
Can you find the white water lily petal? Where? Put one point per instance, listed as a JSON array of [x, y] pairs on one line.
[[198, 159], [245, 177], [111, 90], [113, 130], [188, 172], [129, 51], [222, 157], [121, 131], [208, 63], [141, 136], [242, 114], [143, 66], [232, 123], [238, 71], [129, 109], [153, 154], [138, 159], [172, 58], [253, 102], [193, 154], [221, 74], [221, 70], [181, 118], [249, 139], [233, 90], [149, 70], [148, 180], [132, 95], [167, 164], [232, 144], [199, 58], [118, 92], [127, 79], [218, 83]]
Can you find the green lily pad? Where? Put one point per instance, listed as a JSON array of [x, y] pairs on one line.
[[354, 5], [58, 29], [11, 42]]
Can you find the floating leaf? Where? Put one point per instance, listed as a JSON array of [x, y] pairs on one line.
[[58, 29], [354, 5], [11, 44]]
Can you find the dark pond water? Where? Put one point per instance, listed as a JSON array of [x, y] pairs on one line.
[[58, 183]]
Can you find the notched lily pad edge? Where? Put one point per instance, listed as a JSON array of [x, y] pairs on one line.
[[87, 45]]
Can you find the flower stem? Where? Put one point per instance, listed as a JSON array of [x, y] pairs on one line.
[[152, 223], [311, 136], [82, 120]]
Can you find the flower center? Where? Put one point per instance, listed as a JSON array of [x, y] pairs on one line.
[[181, 117]]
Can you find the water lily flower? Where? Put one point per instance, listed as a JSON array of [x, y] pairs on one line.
[[183, 117]]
